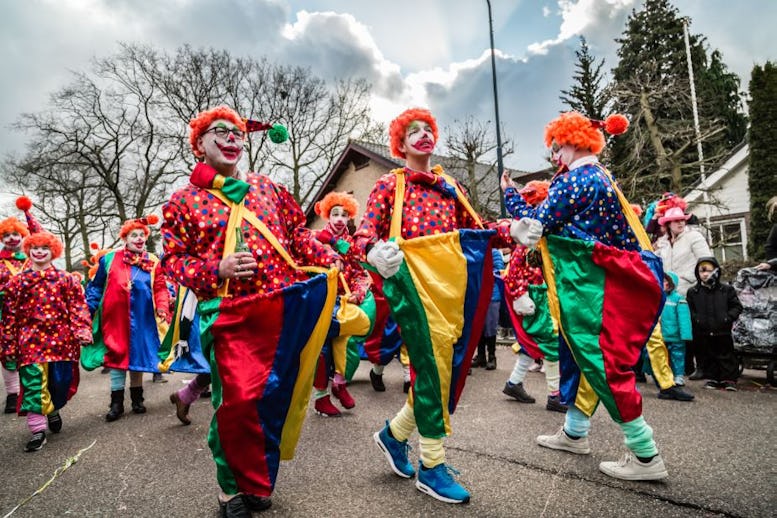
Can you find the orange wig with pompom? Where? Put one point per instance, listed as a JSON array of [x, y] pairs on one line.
[[200, 123], [140, 223], [12, 224], [575, 129], [40, 239], [535, 191], [337, 199], [398, 127]]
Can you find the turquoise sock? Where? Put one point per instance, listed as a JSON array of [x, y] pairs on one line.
[[576, 423], [638, 437]]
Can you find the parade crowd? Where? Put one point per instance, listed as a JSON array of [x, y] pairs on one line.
[[268, 314]]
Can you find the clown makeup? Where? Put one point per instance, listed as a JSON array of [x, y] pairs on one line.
[[12, 241], [136, 240], [41, 257], [561, 155], [338, 218], [419, 138], [222, 146]]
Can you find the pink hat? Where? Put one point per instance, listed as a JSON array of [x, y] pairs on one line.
[[673, 214]]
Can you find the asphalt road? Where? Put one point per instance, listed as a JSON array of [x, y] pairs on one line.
[[721, 452]]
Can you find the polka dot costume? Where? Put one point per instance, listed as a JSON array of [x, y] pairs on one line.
[[45, 317], [581, 204]]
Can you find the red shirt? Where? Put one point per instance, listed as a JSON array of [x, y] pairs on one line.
[[520, 274], [194, 227]]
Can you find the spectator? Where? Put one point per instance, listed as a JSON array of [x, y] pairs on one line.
[[771, 241]]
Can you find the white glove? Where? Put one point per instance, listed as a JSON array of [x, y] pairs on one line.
[[386, 257], [526, 231], [524, 305]]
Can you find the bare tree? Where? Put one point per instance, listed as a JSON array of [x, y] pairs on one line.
[[471, 145]]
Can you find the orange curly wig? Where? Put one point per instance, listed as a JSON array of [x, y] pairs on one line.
[[12, 224], [43, 239], [535, 192], [204, 119], [93, 262], [141, 223], [576, 129], [337, 199], [398, 126]]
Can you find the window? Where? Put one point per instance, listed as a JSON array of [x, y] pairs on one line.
[[728, 240]]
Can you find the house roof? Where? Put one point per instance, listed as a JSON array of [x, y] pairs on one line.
[[737, 156], [361, 152]]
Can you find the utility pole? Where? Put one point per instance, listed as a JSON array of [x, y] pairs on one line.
[[499, 164], [696, 126]]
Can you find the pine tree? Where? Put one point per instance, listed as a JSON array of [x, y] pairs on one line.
[[587, 95], [763, 161], [652, 88]]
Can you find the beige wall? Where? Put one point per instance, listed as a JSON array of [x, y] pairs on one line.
[[360, 182]]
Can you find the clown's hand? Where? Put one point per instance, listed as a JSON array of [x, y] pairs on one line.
[[524, 305], [386, 257], [526, 231]]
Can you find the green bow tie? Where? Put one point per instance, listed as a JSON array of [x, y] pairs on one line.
[[235, 190]]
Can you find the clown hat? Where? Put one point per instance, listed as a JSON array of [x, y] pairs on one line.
[[673, 214], [24, 204], [277, 132], [138, 223]]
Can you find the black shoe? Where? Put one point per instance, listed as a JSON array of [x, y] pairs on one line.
[[406, 387], [554, 404], [696, 375], [10, 403], [712, 384], [479, 361], [235, 507], [257, 503], [731, 386], [136, 395], [158, 378], [377, 382], [491, 363], [117, 406], [518, 392], [36, 442], [641, 378], [105, 370], [675, 393], [205, 394], [55, 422]]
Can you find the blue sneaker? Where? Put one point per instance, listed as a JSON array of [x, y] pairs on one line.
[[395, 452], [438, 483]]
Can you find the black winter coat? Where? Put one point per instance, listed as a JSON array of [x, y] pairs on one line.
[[713, 308]]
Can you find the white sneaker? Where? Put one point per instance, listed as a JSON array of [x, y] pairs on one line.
[[561, 441], [630, 468]]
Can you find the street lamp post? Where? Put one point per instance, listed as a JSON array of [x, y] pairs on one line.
[[499, 164]]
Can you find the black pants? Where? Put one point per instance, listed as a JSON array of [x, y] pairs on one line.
[[715, 357]]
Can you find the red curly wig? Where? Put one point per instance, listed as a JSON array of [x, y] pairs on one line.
[[399, 125], [141, 223], [337, 199], [577, 130], [12, 224], [535, 192], [204, 119], [43, 239]]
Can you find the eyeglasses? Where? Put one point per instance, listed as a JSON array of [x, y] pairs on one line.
[[222, 132]]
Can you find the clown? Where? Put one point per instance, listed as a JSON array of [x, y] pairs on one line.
[[338, 208], [593, 235], [527, 302], [235, 240], [45, 322], [415, 232], [129, 302]]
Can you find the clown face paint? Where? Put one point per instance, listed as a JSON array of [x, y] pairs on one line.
[[41, 257], [136, 241], [419, 139], [222, 152], [12, 241], [338, 218], [561, 155]]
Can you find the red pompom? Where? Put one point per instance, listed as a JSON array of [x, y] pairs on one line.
[[152, 219], [23, 203], [616, 124], [317, 208], [94, 246]]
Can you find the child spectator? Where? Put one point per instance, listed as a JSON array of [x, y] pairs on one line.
[[714, 308], [676, 326]]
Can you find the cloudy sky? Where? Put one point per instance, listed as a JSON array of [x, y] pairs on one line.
[[432, 53]]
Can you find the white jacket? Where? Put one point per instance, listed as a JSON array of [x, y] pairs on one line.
[[681, 257]]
